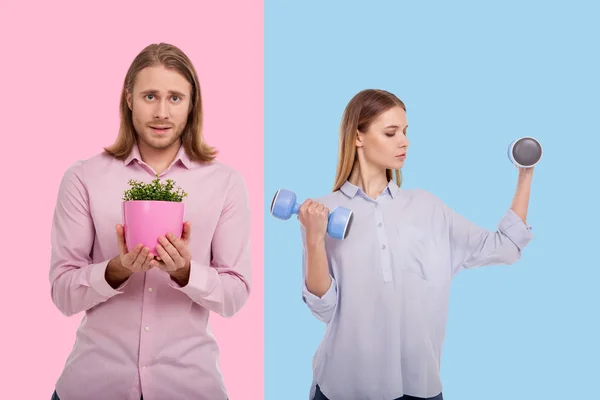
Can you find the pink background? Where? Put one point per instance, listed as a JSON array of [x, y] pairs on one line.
[[61, 73]]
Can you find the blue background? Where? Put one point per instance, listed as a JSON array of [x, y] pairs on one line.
[[474, 76]]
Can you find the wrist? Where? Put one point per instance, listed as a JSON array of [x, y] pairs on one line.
[[181, 276], [315, 241], [115, 271], [525, 173]]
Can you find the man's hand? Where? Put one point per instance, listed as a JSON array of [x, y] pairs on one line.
[[120, 268], [174, 256]]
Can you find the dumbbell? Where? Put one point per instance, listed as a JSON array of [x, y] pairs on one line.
[[525, 152], [284, 205]]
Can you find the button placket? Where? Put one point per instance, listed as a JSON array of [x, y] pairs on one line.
[[148, 309], [383, 245]]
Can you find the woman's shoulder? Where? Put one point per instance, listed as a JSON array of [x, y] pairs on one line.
[[423, 197], [330, 199]]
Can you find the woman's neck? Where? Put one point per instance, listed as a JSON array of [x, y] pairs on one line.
[[370, 179]]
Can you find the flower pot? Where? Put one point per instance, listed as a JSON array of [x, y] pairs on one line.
[[145, 220]]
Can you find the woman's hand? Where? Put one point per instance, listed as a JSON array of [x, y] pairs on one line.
[[525, 172], [314, 217]]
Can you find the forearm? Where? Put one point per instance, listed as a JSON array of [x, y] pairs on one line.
[[520, 201], [318, 279], [221, 290], [75, 289]]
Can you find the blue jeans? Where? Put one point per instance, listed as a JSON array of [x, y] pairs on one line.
[[55, 396], [320, 396]]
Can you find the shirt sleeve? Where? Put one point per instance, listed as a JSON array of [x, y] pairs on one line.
[[321, 307], [224, 286], [76, 283], [473, 246]]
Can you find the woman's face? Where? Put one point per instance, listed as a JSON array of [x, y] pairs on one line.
[[385, 143]]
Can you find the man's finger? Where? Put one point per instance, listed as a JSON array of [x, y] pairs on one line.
[[187, 231], [130, 257], [146, 265], [180, 245], [167, 260], [121, 239], [139, 260], [171, 250]]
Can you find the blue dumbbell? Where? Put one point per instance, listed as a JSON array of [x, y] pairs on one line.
[[525, 152], [284, 205]]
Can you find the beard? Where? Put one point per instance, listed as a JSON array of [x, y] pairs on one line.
[[159, 143], [149, 139]]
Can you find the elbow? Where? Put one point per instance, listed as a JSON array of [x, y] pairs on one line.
[[62, 303], [324, 316], [511, 251], [322, 307], [235, 304], [322, 311], [512, 255]]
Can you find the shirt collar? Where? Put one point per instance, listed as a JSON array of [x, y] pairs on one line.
[[182, 156], [351, 190]]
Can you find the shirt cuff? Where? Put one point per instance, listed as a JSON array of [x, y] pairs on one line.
[[517, 231], [321, 304], [201, 282], [98, 281]]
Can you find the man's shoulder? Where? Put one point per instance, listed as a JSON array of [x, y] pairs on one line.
[[223, 171], [96, 162]]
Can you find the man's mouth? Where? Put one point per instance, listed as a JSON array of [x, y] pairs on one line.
[[160, 129]]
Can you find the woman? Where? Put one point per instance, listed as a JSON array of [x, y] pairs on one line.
[[383, 291]]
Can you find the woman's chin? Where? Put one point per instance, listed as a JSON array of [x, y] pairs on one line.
[[398, 164]]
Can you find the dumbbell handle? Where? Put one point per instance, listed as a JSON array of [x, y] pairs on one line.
[[296, 208]]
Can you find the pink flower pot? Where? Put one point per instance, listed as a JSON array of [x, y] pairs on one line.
[[145, 220]]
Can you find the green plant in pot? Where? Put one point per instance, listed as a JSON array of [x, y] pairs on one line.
[[150, 210]]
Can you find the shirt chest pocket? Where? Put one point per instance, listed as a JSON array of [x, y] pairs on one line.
[[416, 252]]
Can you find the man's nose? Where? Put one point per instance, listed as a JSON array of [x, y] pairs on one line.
[[161, 111]]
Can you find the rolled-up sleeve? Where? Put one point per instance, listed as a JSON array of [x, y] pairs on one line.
[[321, 307], [472, 246]]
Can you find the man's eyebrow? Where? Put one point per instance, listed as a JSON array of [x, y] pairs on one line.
[[154, 91]]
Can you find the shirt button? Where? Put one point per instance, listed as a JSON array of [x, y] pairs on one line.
[[383, 247], [376, 205], [150, 289], [147, 329], [379, 224]]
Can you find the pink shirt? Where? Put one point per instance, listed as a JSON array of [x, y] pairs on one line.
[[149, 336]]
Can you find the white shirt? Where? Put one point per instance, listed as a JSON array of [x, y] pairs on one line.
[[386, 309]]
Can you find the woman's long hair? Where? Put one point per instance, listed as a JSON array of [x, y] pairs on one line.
[[360, 112]]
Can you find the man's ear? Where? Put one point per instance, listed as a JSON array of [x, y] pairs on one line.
[[128, 97]]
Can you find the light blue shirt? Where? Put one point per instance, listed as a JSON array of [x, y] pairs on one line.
[[386, 309]]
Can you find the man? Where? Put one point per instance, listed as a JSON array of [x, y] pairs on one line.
[[145, 331]]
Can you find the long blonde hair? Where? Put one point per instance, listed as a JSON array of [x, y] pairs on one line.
[[360, 112], [171, 57]]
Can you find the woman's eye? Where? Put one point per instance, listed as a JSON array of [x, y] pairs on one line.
[[390, 134], [175, 98], [149, 95]]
